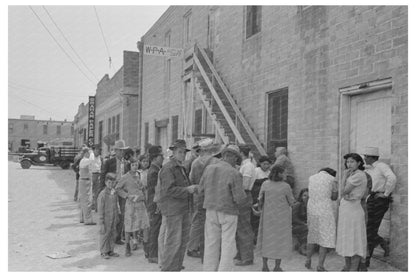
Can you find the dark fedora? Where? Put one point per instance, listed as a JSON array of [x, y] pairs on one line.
[[180, 143], [155, 150]]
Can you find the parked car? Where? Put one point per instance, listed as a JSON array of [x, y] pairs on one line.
[[61, 156]]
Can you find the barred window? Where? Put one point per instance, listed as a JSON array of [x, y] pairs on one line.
[[253, 20], [277, 119]]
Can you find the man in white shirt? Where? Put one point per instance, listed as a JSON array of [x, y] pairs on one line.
[[383, 184], [245, 234], [95, 169]]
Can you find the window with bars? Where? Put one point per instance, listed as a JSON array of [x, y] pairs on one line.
[[198, 121], [277, 119], [175, 125], [45, 129], [25, 126], [58, 129], [253, 20]]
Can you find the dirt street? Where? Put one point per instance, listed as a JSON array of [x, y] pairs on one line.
[[43, 219]]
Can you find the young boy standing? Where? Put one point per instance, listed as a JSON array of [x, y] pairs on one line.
[[108, 216]]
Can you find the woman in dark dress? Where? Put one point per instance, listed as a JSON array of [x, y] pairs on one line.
[[299, 220]]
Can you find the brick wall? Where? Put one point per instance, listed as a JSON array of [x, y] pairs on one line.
[[34, 131], [313, 51]]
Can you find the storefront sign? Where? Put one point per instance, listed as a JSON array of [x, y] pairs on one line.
[[161, 51], [91, 120]]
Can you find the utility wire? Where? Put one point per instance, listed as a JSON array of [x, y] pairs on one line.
[[60, 46], [102, 34], [40, 94], [30, 103], [70, 45]]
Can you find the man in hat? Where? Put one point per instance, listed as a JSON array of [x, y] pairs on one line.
[[383, 184], [155, 218], [245, 234], [95, 169], [175, 205], [283, 160], [223, 190], [195, 151], [116, 165], [207, 155]]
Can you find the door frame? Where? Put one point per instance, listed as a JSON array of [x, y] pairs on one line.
[[346, 94]]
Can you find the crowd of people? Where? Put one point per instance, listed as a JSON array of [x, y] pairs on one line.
[[220, 205]]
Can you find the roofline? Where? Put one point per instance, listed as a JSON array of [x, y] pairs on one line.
[[159, 22], [41, 120]]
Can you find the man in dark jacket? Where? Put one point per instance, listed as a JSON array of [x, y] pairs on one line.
[[175, 205], [116, 165], [155, 218]]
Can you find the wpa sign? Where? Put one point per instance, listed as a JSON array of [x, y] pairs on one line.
[[153, 50]]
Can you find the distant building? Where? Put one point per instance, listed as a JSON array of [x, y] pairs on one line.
[[116, 110], [27, 131], [322, 81]]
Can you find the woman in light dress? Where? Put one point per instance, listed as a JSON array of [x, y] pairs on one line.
[[323, 189], [351, 233], [135, 216], [274, 239]]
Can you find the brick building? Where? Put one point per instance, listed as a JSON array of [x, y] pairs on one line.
[[321, 80], [116, 111], [81, 125], [30, 131]]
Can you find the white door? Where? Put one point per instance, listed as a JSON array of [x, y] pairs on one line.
[[371, 126], [370, 123]]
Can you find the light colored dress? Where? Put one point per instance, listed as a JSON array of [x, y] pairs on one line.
[[274, 239], [321, 214], [135, 216], [351, 233]]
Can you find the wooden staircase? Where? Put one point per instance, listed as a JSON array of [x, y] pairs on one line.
[[227, 117]]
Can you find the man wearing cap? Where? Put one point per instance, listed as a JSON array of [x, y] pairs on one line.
[[175, 205], [207, 155], [195, 151], [95, 169], [116, 165], [155, 218], [223, 190], [245, 234], [383, 184]]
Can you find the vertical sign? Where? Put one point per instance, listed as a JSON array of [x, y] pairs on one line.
[[91, 120]]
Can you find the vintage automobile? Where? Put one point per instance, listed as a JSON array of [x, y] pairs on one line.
[[61, 156]]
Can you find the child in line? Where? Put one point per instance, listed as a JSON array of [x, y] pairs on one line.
[[135, 217], [108, 216]]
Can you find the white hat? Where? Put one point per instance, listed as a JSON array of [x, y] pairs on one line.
[[371, 151], [120, 144]]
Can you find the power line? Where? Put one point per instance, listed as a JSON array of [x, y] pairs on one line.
[[30, 103], [70, 45], [15, 86], [63, 50], [102, 34]]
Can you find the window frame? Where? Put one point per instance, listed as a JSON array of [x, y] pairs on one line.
[[250, 18], [270, 141]]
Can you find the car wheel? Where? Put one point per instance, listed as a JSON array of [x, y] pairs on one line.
[[25, 164]]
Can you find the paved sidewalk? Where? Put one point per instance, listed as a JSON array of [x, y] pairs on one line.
[[43, 219]]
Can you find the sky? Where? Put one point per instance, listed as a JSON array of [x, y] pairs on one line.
[[42, 80]]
